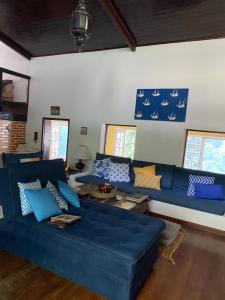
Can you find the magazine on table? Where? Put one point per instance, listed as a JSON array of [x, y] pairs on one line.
[[136, 197]]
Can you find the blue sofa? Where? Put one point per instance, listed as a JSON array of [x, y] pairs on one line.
[[174, 185], [109, 251]]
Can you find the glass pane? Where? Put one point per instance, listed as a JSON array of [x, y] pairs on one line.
[[213, 158], [14, 88]]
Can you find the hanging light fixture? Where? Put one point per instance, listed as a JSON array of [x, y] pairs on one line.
[[81, 24]]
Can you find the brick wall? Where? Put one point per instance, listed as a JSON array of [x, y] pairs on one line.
[[12, 133]]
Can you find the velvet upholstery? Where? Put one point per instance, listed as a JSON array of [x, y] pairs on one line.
[[9, 159], [110, 251]]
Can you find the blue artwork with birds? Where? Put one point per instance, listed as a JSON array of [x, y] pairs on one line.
[[161, 104]]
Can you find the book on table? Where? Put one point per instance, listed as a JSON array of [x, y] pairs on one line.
[[136, 197], [63, 220], [125, 205]]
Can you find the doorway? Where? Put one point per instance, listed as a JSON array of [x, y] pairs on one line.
[[55, 138]]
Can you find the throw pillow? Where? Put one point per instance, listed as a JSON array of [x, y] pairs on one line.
[[42, 203], [68, 193], [59, 200], [209, 191], [193, 179], [102, 168], [148, 171], [149, 182], [119, 172], [25, 205]]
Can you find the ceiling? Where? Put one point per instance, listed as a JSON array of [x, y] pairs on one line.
[[41, 27]]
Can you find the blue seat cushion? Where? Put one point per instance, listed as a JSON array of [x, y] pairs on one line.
[[175, 196]]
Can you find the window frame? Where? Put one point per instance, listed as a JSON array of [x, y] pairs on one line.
[[202, 146], [119, 125]]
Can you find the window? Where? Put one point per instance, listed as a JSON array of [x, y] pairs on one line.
[[55, 138], [120, 140], [205, 150]]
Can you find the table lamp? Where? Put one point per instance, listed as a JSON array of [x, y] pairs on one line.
[[81, 153]]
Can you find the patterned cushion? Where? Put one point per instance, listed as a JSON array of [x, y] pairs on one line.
[[119, 172], [149, 182], [193, 179], [102, 168], [25, 204], [148, 171], [62, 204]]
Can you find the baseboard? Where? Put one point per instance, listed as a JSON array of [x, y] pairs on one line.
[[188, 217]]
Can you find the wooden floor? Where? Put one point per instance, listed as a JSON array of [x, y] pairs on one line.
[[199, 274]]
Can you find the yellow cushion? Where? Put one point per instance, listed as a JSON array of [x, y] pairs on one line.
[[150, 182], [148, 171]]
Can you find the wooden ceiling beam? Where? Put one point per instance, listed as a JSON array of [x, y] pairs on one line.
[[13, 45], [120, 23]]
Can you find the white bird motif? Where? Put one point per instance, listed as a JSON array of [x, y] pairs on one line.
[[164, 103], [172, 117], [139, 114], [155, 115], [156, 93], [174, 93], [141, 94], [181, 104], [146, 102]]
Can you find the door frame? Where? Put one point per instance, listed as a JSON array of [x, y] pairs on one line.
[[58, 119]]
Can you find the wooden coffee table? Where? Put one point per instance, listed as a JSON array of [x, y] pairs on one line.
[[142, 208]]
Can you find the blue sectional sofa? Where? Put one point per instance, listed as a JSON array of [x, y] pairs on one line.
[[174, 185], [110, 251]]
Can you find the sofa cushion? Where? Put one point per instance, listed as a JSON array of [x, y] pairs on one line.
[[167, 172], [68, 193], [151, 182], [26, 208], [102, 168], [15, 158], [209, 191], [119, 172], [193, 179], [43, 204], [62, 204]]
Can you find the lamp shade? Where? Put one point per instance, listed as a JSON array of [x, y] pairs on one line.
[[82, 152]]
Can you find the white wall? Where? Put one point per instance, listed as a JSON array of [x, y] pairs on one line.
[[97, 87], [10, 59]]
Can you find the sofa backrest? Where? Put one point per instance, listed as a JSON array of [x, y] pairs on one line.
[[181, 177], [167, 171], [45, 170], [4, 193]]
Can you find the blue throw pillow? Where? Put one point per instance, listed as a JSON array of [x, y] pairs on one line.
[[42, 203], [68, 193], [25, 204], [119, 172], [209, 191], [193, 179], [102, 168]]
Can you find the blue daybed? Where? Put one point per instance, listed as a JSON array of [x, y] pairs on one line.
[[109, 251]]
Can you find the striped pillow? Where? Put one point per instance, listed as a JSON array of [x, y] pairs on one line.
[[193, 179]]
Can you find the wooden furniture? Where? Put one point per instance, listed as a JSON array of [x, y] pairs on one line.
[[142, 208]]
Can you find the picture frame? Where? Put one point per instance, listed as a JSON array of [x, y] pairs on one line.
[[83, 130], [55, 110]]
